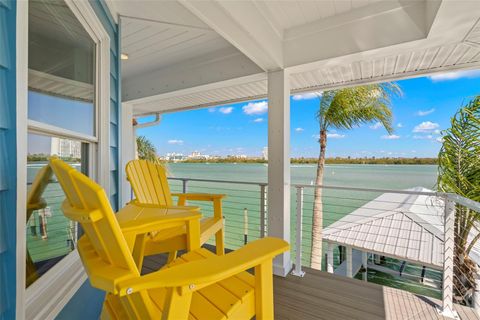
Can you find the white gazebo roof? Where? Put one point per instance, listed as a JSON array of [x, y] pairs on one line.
[[403, 226]]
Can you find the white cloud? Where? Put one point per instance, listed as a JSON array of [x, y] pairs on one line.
[[376, 126], [424, 137], [299, 129], [253, 108], [211, 109], [175, 141], [423, 113], [426, 126], [399, 125], [455, 75], [258, 120], [226, 110], [307, 96], [335, 136], [390, 137], [439, 139]]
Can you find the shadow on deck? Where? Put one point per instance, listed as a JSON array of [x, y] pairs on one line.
[[320, 295]]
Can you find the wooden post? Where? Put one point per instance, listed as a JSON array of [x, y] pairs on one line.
[[349, 261], [279, 164], [330, 258], [365, 264]]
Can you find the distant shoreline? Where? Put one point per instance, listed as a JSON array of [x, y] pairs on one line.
[[389, 161]]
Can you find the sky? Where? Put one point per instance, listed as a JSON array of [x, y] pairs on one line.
[[420, 114]]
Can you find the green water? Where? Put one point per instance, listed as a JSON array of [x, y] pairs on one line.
[[337, 203]]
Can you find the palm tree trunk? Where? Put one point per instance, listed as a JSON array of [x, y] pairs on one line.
[[317, 218]]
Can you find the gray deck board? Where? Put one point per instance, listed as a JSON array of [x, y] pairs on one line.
[[323, 296]]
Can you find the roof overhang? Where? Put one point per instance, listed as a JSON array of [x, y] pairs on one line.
[[383, 41]]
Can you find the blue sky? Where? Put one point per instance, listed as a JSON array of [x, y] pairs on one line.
[[420, 114]]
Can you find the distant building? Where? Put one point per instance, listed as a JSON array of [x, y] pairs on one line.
[[175, 157], [66, 148], [195, 155], [265, 153]]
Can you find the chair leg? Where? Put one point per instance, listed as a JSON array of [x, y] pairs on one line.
[[177, 305], [220, 242], [264, 291], [171, 256], [139, 250]]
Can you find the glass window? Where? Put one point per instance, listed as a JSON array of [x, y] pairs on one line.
[[61, 63], [50, 236], [61, 99]]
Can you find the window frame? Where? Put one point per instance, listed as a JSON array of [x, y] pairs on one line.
[[48, 295]]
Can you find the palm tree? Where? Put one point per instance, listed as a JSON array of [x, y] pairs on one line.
[[146, 150], [459, 172], [345, 109]]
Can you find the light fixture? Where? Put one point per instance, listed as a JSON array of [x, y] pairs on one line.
[[124, 56]]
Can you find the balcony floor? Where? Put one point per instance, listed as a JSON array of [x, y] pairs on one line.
[[320, 295]]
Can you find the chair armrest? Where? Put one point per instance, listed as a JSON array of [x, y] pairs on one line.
[[198, 274], [156, 223], [198, 196]]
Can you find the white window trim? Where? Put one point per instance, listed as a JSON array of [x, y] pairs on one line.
[[61, 282], [43, 128]]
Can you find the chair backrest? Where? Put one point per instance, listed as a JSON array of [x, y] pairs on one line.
[[103, 248], [88, 204], [149, 182], [39, 184]]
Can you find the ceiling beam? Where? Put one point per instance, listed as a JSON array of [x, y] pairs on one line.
[[244, 26], [372, 27]]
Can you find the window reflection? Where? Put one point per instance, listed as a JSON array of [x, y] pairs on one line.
[[50, 236]]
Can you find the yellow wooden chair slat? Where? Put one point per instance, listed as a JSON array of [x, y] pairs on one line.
[[198, 285], [150, 187]]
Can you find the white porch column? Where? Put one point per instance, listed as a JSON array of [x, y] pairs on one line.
[[365, 264], [127, 148], [279, 164], [330, 258], [349, 262]]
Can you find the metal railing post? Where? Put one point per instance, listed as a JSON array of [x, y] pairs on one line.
[[245, 225], [298, 236], [262, 210], [184, 185], [448, 260]]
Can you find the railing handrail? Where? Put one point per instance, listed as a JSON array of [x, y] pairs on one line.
[[220, 181], [471, 204], [468, 203], [423, 193]]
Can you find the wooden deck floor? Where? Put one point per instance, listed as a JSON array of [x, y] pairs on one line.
[[320, 295]]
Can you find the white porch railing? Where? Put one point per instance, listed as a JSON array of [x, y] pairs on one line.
[[429, 273]]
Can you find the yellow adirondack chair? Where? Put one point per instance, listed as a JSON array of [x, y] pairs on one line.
[[150, 186], [36, 202], [198, 285]]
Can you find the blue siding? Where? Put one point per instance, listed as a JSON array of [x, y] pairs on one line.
[[7, 159], [112, 28], [87, 301]]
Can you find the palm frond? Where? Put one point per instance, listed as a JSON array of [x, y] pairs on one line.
[[347, 108]]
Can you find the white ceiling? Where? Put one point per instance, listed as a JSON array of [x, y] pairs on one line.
[[187, 53], [287, 14], [153, 45]]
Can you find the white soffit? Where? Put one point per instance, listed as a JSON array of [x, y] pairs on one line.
[[221, 93], [446, 38], [152, 45]]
